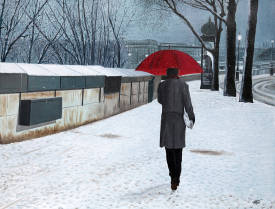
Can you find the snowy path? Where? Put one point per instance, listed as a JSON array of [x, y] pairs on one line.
[[229, 161]]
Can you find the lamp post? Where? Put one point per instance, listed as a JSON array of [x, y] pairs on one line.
[[272, 45], [137, 58], [238, 71], [129, 60], [271, 61]]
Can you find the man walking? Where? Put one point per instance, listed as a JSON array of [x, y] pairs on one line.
[[174, 96]]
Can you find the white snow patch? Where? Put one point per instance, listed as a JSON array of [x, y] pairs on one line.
[[83, 168], [61, 70], [35, 69], [68, 70], [6, 67]]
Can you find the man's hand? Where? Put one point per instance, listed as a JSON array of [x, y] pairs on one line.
[[191, 124]]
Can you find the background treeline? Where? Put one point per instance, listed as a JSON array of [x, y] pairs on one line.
[[84, 32]]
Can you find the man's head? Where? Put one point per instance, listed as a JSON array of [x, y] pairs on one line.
[[172, 72]]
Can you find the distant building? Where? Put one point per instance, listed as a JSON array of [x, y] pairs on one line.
[[138, 50], [194, 51], [266, 54]]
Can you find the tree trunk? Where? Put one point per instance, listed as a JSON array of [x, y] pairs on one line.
[[216, 54], [118, 55], [215, 81], [246, 88], [229, 81]]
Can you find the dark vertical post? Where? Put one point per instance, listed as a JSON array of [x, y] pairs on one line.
[[271, 62], [82, 97], [131, 94], [246, 94], [229, 82], [238, 59], [201, 65]]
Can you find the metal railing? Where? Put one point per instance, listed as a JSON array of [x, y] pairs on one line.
[[263, 68], [258, 68]]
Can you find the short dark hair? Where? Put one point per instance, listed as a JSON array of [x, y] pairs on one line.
[[170, 72]]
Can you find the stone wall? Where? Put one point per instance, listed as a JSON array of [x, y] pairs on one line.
[[79, 106]]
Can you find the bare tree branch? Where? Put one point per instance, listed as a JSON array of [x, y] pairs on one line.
[[174, 9], [8, 44]]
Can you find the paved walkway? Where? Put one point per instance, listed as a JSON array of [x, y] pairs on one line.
[[229, 161], [264, 89]]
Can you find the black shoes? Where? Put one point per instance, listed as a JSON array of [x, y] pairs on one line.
[[174, 186], [174, 183]]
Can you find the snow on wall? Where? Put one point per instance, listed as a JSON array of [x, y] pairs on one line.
[[68, 70], [10, 68]]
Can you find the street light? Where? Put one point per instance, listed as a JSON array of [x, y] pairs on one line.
[[271, 62], [272, 45], [239, 41]]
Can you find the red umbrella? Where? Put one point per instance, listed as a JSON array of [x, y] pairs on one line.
[[158, 62]]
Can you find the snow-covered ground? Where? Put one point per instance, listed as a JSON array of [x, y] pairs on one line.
[[229, 161]]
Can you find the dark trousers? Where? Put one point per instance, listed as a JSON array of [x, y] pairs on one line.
[[174, 157]]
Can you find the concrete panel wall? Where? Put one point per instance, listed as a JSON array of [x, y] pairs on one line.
[[102, 96], [141, 92], [125, 92], [33, 133], [13, 104], [91, 112], [146, 91], [9, 107], [37, 95], [7, 128], [78, 107], [3, 105], [111, 104], [134, 94], [125, 89], [9, 104], [146, 87], [70, 117], [91, 96], [70, 98]]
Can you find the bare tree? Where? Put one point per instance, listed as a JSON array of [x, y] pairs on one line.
[[218, 10], [119, 18], [215, 7], [33, 36], [229, 81], [105, 47], [65, 31], [82, 29], [13, 25], [62, 16], [246, 94], [230, 22], [37, 45], [91, 30]]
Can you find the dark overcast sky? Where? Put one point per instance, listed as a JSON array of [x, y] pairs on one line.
[[174, 30]]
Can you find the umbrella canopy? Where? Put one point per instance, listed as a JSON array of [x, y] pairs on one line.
[[158, 62]]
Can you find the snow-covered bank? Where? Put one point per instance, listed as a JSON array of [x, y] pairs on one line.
[[117, 162]]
